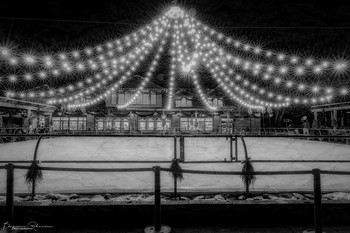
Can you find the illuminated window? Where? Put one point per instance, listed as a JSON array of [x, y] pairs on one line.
[[142, 124], [183, 102], [143, 98], [208, 124], [116, 125], [82, 123], [65, 123], [73, 123], [126, 124], [153, 98], [56, 123], [108, 124], [184, 123], [163, 124], [151, 125]]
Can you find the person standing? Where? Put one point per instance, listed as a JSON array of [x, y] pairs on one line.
[[306, 127]]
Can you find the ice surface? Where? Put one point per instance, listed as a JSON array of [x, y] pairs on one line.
[[204, 149]]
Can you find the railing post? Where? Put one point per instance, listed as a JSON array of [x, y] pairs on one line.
[[236, 148], [317, 201], [231, 152], [157, 206], [9, 193], [35, 157], [175, 157], [182, 148], [175, 147]]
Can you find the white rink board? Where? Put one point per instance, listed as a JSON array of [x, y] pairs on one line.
[[108, 148]]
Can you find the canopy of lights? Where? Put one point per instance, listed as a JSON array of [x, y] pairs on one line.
[[249, 75]]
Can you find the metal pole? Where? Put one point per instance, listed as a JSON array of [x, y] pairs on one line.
[[317, 201], [9, 193], [182, 148], [34, 161], [157, 208], [175, 147], [175, 157], [236, 148], [231, 152]]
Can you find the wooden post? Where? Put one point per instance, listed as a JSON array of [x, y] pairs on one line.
[[317, 201], [9, 193], [157, 207], [182, 148]]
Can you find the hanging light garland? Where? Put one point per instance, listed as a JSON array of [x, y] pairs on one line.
[[174, 54], [149, 73], [103, 77], [193, 45], [255, 69], [63, 60], [316, 66], [123, 79]]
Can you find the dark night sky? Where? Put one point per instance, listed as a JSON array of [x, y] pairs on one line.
[[298, 26], [291, 16]]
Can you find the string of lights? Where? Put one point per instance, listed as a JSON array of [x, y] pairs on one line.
[[174, 54], [64, 60], [255, 70], [123, 79], [215, 59], [149, 73], [300, 65], [267, 79], [102, 77]]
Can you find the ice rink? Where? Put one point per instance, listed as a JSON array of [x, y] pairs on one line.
[[196, 149]]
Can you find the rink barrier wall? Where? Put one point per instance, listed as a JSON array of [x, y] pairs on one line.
[[230, 137], [10, 169], [233, 154], [315, 172]]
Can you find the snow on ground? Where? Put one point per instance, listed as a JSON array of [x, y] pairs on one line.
[[207, 149]]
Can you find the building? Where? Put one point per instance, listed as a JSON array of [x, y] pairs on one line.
[[18, 116], [332, 115], [148, 114]]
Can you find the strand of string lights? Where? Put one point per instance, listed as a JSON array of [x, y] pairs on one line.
[[192, 62], [255, 70], [313, 65], [109, 48], [254, 87], [149, 73], [76, 61], [174, 54], [124, 78], [203, 54], [115, 66], [245, 79]]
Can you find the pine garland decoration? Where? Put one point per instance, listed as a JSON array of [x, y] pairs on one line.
[[176, 170], [34, 173]]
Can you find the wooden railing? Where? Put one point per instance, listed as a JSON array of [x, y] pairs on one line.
[[11, 166], [316, 173]]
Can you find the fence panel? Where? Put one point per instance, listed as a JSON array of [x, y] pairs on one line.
[[207, 149]]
